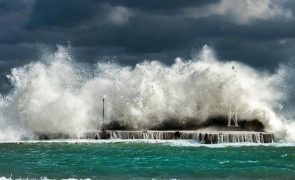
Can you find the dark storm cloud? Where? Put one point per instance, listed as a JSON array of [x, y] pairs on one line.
[[130, 31], [161, 7], [71, 12], [61, 13]]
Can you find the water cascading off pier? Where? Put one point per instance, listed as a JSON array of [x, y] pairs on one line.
[[203, 137]]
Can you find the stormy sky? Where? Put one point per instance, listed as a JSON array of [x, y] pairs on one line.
[[259, 33]]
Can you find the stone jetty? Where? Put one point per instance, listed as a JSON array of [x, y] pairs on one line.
[[203, 137]]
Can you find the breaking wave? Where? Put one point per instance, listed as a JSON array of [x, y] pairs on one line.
[[58, 94]]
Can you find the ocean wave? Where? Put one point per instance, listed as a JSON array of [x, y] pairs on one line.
[[57, 94]]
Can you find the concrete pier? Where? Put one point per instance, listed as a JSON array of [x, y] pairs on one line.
[[204, 137]]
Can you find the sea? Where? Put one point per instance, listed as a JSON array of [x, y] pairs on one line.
[[60, 93], [145, 159]]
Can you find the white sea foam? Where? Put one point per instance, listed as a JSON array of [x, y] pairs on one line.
[[41, 178], [284, 155], [175, 143], [56, 94]]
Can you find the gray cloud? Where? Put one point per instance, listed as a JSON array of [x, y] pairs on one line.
[[261, 35], [242, 11]]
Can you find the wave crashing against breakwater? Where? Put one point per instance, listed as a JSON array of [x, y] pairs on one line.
[[57, 94], [209, 137]]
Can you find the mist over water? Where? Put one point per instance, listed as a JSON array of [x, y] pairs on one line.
[[57, 94]]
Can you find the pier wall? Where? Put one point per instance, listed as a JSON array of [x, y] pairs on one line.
[[210, 137]]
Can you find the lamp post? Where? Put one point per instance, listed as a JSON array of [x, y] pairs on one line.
[[233, 113], [103, 100]]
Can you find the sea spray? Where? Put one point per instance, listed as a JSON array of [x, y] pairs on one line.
[[56, 94]]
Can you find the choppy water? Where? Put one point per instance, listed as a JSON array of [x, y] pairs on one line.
[[145, 160]]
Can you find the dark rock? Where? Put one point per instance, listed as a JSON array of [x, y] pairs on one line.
[[177, 135], [104, 134], [96, 137]]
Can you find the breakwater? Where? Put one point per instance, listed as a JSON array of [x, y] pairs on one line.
[[204, 137]]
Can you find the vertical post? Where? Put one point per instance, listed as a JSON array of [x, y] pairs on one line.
[[229, 117], [102, 111], [236, 117]]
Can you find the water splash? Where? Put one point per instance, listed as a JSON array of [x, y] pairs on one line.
[[56, 94]]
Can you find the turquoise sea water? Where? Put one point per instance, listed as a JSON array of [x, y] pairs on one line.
[[142, 160]]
